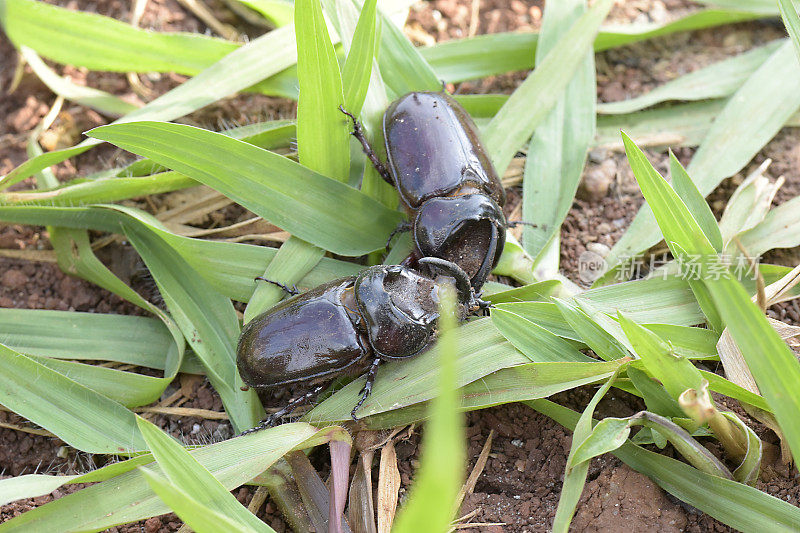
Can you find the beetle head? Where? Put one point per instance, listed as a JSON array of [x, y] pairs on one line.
[[400, 308], [469, 230]]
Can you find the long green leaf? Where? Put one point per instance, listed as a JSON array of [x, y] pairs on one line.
[[773, 365], [717, 80], [322, 143], [557, 151], [287, 194], [206, 318], [792, 22], [102, 43], [429, 506], [79, 416], [517, 119], [740, 506], [244, 66], [575, 475], [487, 55], [199, 517], [188, 475], [752, 116], [128, 498]]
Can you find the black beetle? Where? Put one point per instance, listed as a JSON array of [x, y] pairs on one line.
[[342, 327], [445, 179]]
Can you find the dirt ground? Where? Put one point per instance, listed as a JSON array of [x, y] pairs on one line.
[[520, 485]]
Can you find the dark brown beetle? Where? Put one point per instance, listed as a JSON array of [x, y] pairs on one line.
[[445, 179], [343, 327]]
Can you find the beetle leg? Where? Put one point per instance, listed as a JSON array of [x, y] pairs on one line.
[[515, 223], [272, 419], [401, 228], [373, 370], [291, 290], [358, 133]]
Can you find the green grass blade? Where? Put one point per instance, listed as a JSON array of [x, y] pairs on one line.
[[536, 342], [697, 205], [792, 22], [188, 475], [717, 80], [773, 365], [278, 12], [596, 337], [401, 65], [360, 58], [740, 506], [265, 183], [241, 68], [229, 267], [675, 372], [575, 475], [99, 100], [488, 55], [557, 151], [481, 351], [430, 504], [101, 190], [79, 416], [778, 230], [127, 497], [323, 143], [126, 388], [103, 43], [514, 384], [73, 335], [752, 116], [206, 318], [199, 517], [517, 119]]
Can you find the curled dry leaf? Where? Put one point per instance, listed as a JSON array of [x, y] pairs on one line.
[[388, 487]]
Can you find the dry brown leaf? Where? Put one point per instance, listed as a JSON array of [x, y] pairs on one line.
[[388, 487]]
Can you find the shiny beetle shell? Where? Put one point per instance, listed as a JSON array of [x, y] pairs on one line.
[[445, 178], [433, 149], [385, 312], [303, 338]]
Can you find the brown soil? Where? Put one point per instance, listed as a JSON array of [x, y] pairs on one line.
[[520, 485]]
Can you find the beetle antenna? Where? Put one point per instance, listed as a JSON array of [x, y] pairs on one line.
[[462, 280]]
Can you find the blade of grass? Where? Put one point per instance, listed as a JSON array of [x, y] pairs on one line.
[[430, 504], [774, 366], [740, 506], [360, 57], [536, 342], [242, 67], [207, 320], [792, 22], [186, 474], [575, 475], [101, 101], [517, 119], [323, 144], [559, 145], [265, 183], [717, 80], [402, 67], [103, 43], [752, 116], [128, 498], [79, 416], [229, 267], [199, 517], [488, 55]]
